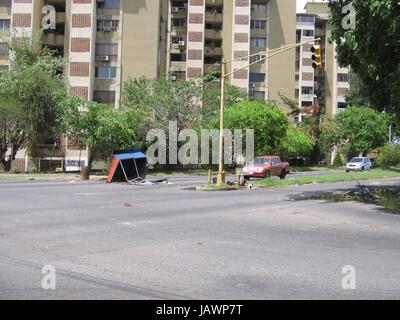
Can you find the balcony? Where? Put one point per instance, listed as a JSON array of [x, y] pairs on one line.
[[178, 65], [213, 34], [213, 17], [218, 3], [51, 39], [210, 51]]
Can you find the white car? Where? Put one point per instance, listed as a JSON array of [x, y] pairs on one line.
[[359, 164]]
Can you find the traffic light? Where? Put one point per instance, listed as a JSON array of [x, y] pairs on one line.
[[316, 57]]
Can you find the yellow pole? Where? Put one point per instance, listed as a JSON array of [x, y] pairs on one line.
[[220, 176]]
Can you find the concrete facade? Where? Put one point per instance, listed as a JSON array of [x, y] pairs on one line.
[[329, 85]]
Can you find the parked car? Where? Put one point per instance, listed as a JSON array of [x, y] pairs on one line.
[[266, 167], [359, 164]]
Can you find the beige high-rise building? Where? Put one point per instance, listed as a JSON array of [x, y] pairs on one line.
[[5, 23], [329, 85], [204, 31], [107, 41]]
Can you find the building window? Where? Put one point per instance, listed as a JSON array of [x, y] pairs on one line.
[[108, 25], [258, 24], [107, 97], [306, 103], [259, 59], [258, 42], [259, 7], [343, 77], [3, 49], [257, 77], [178, 57], [296, 93], [307, 90], [178, 75], [5, 3], [4, 24], [258, 95], [305, 18], [177, 39], [308, 33], [106, 49], [106, 72], [178, 22], [109, 4]]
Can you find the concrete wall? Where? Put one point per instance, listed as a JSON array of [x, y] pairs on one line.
[[282, 31]]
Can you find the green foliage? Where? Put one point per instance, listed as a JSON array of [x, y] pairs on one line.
[[192, 103], [295, 144], [362, 129], [269, 123], [160, 101], [389, 156], [338, 161], [101, 128], [330, 137], [372, 48], [29, 115]]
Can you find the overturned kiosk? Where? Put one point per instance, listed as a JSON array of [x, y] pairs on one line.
[[127, 165]]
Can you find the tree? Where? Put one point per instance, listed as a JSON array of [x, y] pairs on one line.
[[389, 156], [29, 114], [295, 144], [161, 100], [338, 161], [362, 129], [372, 48], [100, 127], [268, 121], [331, 136], [192, 103]]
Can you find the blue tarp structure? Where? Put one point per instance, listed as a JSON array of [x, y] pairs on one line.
[[127, 165], [127, 156]]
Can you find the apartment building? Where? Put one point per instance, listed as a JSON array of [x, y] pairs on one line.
[[329, 85], [103, 41], [5, 25], [204, 31], [107, 41]]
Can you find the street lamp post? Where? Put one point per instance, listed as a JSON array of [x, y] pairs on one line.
[[221, 175], [263, 56]]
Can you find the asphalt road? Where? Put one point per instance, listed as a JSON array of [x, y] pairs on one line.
[[169, 242]]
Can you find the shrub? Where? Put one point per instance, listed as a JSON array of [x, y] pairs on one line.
[[389, 156], [338, 161]]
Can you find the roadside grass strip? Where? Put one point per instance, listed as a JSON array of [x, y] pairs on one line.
[[335, 177]]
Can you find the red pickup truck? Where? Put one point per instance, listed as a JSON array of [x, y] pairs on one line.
[[266, 167]]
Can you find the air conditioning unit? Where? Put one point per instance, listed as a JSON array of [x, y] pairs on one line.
[[105, 58], [181, 43], [175, 9], [172, 78]]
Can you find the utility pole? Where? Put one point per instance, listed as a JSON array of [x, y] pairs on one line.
[[221, 174], [263, 56]]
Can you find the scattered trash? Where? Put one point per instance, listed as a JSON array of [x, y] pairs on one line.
[[128, 205]]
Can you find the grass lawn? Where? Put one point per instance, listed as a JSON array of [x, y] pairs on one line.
[[313, 168], [334, 177]]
